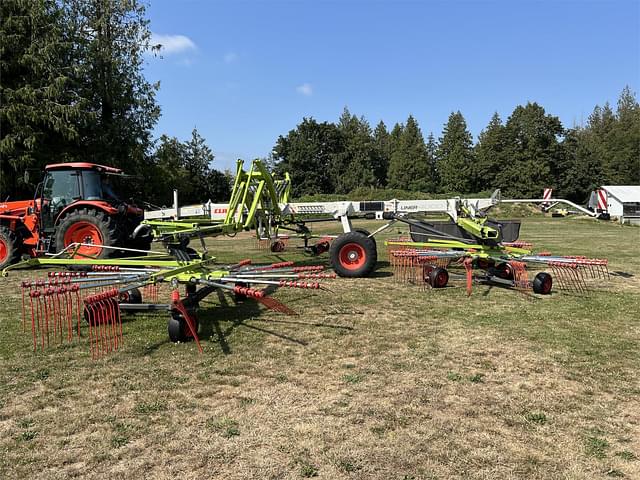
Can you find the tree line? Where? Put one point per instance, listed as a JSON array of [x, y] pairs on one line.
[[72, 88], [531, 151]]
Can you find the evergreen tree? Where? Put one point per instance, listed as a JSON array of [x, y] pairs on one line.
[[531, 152], [409, 166], [432, 155], [38, 112], [188, 167], [308, 154], [110, 38], [622, 164], [356, 164], [394, 139], [580, 170], [382, 148], [168, 172], [455, 156], [489, 155]]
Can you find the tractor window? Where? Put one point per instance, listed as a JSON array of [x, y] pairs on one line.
[[108, 189], [61, 188], [91, 185]]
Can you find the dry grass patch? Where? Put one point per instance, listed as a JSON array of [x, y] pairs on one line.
[[372, 380]]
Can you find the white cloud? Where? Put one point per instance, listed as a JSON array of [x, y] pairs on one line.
[[230, 57], [305, 89], [172, 44]]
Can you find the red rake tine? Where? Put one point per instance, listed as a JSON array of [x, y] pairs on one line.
[[275, 305]]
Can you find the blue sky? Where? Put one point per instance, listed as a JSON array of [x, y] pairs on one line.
[[245, 72]]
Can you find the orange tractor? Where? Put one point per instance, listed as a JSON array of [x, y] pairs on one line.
[[75, 203]]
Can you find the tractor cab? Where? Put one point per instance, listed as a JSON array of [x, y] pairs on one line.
[[76, 184]]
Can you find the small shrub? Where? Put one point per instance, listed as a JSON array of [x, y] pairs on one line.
[[538, 418], [352, 378], [596, 447], [226, 427], [151, 407]]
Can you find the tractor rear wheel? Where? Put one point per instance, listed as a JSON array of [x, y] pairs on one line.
[[178, 329], [89, 226], [542, 283], [353, 254], [9, 247]]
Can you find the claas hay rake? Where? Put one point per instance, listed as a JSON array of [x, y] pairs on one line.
[[479, 250], [87, 297]]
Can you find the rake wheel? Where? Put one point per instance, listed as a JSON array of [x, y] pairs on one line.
[[130, 296], [438, 277], [353, 254], [542, 283], [366, 233], [277, 246], [178, 328]]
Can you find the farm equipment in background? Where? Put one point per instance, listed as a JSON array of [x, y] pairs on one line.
[[488, 252], [75, 203], [254, 205]]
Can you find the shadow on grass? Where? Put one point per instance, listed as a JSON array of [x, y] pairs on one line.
[[220, 322]]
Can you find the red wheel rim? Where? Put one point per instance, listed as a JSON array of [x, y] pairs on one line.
[[546, 285], [84, 232], [352, 256], [4, 251]]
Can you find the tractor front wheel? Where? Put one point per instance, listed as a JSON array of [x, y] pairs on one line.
[[9, 247], [353, 254], [178, 329], [93, 228]]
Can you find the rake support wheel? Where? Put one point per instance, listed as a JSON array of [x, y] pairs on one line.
[[367, 233], [178, 328], [130, 296], [438, 278], [353, 255], [542, 283]]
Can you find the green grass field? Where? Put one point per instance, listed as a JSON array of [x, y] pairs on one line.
[[373, 379]]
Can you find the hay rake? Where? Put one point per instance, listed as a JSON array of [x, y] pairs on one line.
[[505, 266], [87, 299]]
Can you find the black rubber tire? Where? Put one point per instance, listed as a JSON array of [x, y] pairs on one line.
[[365, 255], [277, 246], [103, 222], [366, 233], [130, 296], [542, 283], [438, 277], [178, 329], [11, 245]]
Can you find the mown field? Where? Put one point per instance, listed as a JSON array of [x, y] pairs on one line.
[[372, 379]]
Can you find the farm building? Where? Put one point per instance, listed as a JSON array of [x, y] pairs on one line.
[[623, 202]]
